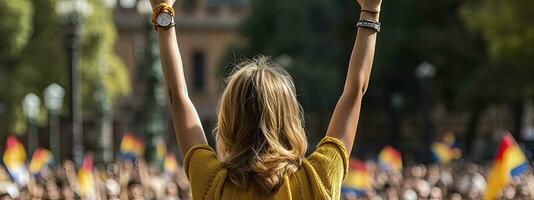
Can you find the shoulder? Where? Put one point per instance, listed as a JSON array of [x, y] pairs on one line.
[[204, 171], [327, 167], [332, 153]]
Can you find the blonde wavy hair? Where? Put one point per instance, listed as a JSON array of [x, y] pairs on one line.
[[259, 132]]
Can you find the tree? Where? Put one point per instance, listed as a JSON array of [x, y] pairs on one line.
[[318, 35], [99, 63], [29, 67], [16, 27], [32, 55], [508, 32]]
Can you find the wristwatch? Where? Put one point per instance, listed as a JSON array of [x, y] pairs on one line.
[[165, 20]]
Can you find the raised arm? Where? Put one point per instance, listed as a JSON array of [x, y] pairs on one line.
[[346, 115], [187, 125]]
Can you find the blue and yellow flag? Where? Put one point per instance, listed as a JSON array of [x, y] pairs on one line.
[[446, 150], [161, 150], [131, 147]]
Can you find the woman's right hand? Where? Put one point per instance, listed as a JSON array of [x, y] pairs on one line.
[[370, 5], [155, 3]]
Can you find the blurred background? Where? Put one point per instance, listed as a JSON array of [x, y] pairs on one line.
[[76, 76]]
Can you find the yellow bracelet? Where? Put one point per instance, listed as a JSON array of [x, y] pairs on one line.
[[162, 7]]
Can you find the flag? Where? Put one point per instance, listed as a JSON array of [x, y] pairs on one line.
[[446, 150], [40, 159], [161, 150], [441, 152], [509, 162], [131, 147], [170, 166], [358, 179], [390, 159], [15, 161], [139, 146], [86, 179]]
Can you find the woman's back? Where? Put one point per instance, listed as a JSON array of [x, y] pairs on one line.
[[259, 133], [319, 177]]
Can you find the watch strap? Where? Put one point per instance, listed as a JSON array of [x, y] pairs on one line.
[[156, 26], [369, 24]]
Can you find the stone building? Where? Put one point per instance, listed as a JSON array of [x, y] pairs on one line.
[[206, 30]]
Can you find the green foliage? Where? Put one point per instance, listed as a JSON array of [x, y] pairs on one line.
[[32, 55], [36, 65], [319, 36], [99, 64], [16, 27], [508, 31]]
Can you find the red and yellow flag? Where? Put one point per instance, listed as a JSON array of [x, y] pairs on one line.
[[40, 159], [358, 179], [509, 163], [15, 160], [86, 179], [390, 159], [170, 166]]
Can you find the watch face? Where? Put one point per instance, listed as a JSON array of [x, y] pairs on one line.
[[164, 19]]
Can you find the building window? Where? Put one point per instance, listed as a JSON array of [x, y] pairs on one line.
[[199, 67]]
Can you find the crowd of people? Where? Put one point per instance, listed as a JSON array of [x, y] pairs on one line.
[[131, 177], [457, 180], [124, 179]]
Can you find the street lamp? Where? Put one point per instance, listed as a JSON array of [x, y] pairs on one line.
[[71, 14], [284, 60], [127, 4], [53, 96], [30, 108], [425, 72]]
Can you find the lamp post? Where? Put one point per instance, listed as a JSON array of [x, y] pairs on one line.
[[30, 108], [71, 14], [425, 72], [103, 110], [53, 96]]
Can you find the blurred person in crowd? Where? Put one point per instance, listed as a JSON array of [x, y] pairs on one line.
[[171, 192], [259, 133], [136, 191], [5, 196]]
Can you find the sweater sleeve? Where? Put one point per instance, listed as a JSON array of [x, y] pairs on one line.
[[201, 167], [330, 161]]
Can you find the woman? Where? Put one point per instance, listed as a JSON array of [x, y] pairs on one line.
[[259, 134]]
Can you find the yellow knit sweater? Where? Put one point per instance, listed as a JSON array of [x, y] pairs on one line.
[[319, 177]]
